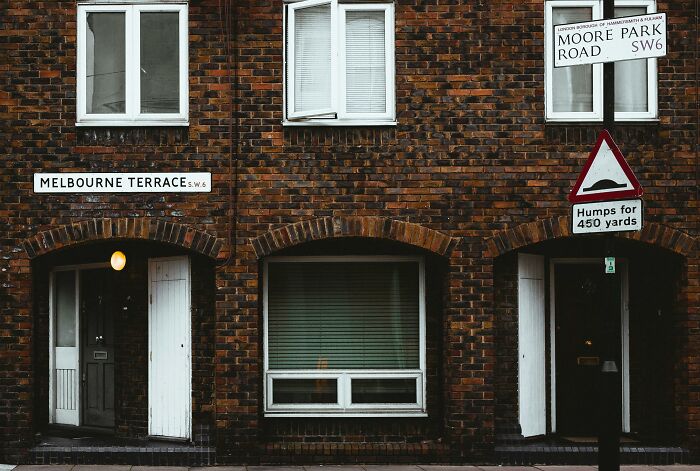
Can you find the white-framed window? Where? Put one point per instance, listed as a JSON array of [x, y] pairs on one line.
[[132, 64], [344, 336], [339, 63], [575, 93]]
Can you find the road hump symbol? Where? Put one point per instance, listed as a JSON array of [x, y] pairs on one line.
[[606, 175]]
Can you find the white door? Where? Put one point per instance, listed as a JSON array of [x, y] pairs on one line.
[[169, 367], [64, 355], [532, 398]]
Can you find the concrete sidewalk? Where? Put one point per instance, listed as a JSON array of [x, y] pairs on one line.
[[679, 467]]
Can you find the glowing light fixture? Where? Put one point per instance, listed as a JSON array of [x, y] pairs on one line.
[[118, 260]]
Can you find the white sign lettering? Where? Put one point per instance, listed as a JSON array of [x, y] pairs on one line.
[[166, 182], [607, 216], [616, 39]]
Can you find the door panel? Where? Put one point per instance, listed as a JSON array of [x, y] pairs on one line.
[[97, 328], [532, 395], [64, 342], [169, 377], [580, 306]]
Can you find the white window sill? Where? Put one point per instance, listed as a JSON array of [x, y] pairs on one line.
[[335, 122], [347, 414], [133, 124], [600, 121]]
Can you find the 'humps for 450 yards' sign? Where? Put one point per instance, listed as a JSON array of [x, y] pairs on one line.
[[616, 39]]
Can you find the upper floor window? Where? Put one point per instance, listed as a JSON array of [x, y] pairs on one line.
[[132, 64], [575, 93], [339, 63]]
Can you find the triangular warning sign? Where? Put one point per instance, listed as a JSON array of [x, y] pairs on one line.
[[606, 175]]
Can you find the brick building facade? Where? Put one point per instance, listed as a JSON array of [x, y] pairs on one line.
[[456, 189]]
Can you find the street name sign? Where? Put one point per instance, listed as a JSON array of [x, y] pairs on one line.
[[615, 39], [606, 175], [114, 182], [607, 216]]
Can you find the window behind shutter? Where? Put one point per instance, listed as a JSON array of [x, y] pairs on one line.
[[365, 66], [311, 59], [326, 315]]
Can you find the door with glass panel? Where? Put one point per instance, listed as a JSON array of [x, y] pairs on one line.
[[81, 376]]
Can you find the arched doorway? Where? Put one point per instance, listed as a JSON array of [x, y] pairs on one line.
[[550, 311], [117, 351]]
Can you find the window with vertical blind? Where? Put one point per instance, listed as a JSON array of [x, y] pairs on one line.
[[339, 63], [132, 64], [575, 93], [344, 335]]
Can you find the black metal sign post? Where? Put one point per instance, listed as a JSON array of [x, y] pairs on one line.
[[610, 394]]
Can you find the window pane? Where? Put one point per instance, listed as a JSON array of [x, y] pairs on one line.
[[105, 63], [631, 80], [572, 87], [384, 391], [312, 58], [343, 315], [305, 391], [160, 59], [65, 308], [365, 62]]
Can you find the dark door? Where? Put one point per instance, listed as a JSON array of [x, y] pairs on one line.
[[97, 329], [580, 313]]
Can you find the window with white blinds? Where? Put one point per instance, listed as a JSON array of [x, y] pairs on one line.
[[344, 334], [339, 63], [575, 93]]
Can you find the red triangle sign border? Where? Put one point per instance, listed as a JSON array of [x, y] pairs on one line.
[[636, 190]]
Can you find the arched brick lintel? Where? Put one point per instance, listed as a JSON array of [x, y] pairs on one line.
[[123, 228], [356, 226], [546, 229]]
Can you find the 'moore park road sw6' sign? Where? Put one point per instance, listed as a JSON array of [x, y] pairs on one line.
[[616, 39]]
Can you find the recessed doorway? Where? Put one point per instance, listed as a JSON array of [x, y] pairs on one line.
[[577, 323]]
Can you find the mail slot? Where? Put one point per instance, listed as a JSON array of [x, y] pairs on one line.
[[588, 361], [97, 355]]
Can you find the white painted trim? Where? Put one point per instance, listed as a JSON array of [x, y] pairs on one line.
[[52, 346], [337, 108], [625, 330], [335, 122], [132, 115], [389, 93], [624, 334], [552, 353], [289, 43], [344, 407], [597, 114]]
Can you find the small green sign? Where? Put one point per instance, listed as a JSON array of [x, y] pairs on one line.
[[609, 265]]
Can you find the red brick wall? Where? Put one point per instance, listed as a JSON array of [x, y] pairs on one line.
[[471, 155]]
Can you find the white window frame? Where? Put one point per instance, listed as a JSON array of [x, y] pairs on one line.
[[597, 114], [337, 114], [132, 117], [344, 406]]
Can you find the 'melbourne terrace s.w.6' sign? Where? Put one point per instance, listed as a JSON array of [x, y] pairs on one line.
[[164, 182], [615, 39]]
